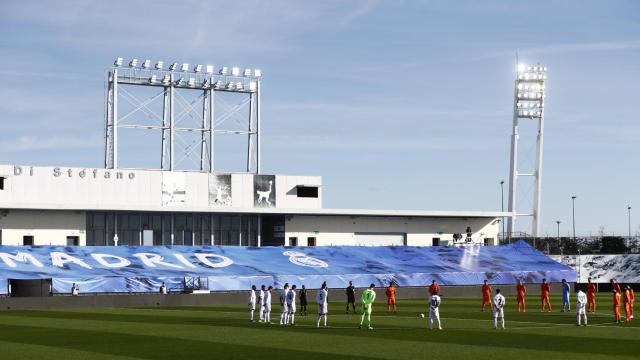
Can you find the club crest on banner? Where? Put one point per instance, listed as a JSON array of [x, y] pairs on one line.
[[302, 259]]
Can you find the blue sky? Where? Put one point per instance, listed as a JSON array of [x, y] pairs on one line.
[[397, 104]]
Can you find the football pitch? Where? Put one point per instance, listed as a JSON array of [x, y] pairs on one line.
[[224, 332]]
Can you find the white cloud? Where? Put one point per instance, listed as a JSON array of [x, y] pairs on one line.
[[224, 28]]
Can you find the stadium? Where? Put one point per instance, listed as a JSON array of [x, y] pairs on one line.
[[186, 259], [190, 244]]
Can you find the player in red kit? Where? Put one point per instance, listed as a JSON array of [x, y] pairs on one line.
[[521, 292], [434, 288], [591, 296], [486, 295]]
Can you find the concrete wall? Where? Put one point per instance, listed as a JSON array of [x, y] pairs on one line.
[[340, 230], [336, 296], [86, 189], [47, 227]]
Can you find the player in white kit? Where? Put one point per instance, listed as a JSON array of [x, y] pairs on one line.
[[581, 303], [323, 304], [291, 306], [498, 309], [267, 305], [261, 303], [283, 304], [434, 310], [252, 301]]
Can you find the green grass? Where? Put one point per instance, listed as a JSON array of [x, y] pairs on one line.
[[224, 332]]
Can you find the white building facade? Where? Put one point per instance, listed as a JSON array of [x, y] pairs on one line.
[[107, 207]]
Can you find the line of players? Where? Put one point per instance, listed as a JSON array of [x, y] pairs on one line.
[[585, 302], [288, 297]]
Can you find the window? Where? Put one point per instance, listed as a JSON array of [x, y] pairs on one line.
[[293, 241], [2, 178], [307, 191], [435, 242], [27, 240], [311, 241], [73, 240]]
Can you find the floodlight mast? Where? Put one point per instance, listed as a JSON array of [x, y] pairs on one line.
[[529, 103], [172, 82]]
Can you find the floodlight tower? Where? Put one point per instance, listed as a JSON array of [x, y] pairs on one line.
[[171, 82], [528, 104]]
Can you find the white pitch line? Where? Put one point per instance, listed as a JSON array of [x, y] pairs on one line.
[[544, 325]]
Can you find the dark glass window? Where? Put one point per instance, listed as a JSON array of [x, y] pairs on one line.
[[307, 191]]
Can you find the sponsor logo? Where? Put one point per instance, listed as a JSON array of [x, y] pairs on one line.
[[301, 259]]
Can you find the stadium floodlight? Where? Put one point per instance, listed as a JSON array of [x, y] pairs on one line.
[[164, 84], [257, 73], [529, 104]]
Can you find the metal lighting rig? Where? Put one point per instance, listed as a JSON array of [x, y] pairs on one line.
[[209, 110], [528, 104]]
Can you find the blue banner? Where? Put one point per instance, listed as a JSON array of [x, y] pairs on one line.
[[144, 268]]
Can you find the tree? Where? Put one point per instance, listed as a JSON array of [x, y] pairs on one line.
[[613, 245], [569, 246]]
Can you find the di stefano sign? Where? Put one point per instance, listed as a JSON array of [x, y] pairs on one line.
[[79, 173]]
